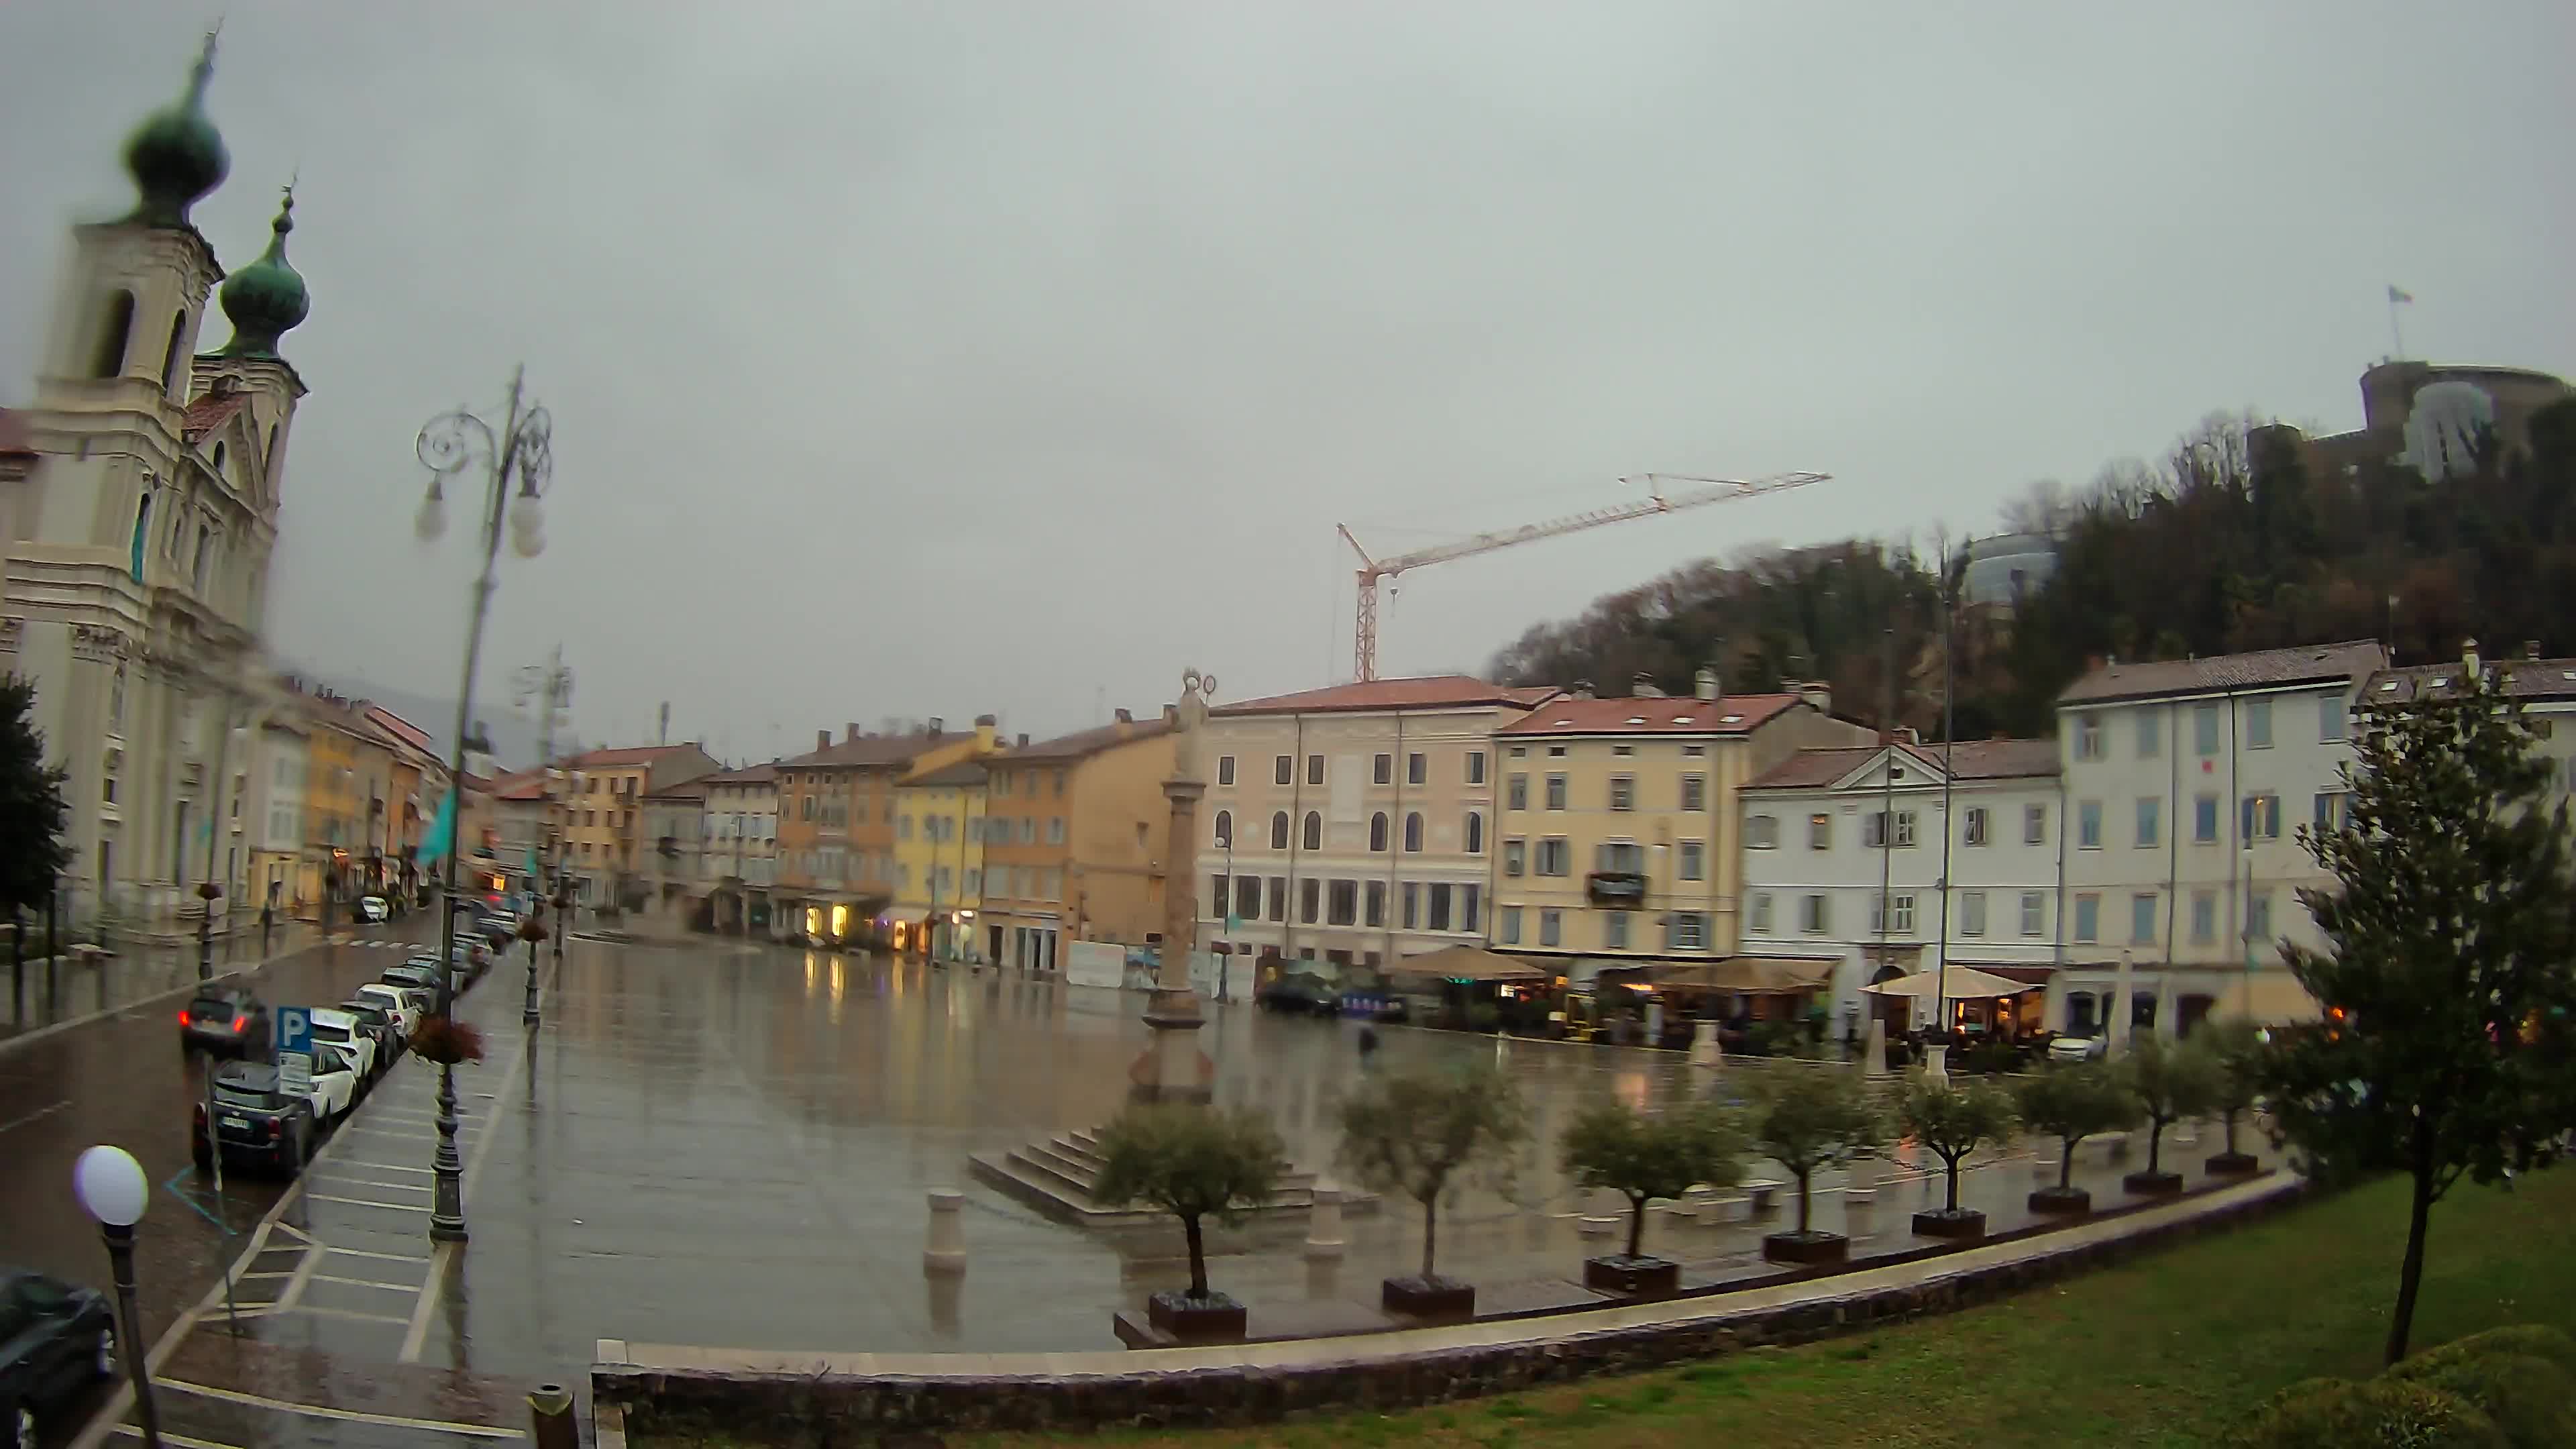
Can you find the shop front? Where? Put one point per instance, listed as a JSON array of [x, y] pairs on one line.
[[1470, 988]]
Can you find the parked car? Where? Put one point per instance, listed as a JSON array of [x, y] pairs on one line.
[[374, 908], [335, 1083], [423, 976], [56, 1338], [254, 1120], [378, 1019], [226, 1020], [1300, 992], [338, 1028], [2067, 1048], [405, 1004]]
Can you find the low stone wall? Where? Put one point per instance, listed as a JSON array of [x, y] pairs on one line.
[[787, 1398]]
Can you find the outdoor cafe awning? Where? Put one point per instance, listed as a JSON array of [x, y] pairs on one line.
[[1747, 974], [1965, 983], [1466, 963]]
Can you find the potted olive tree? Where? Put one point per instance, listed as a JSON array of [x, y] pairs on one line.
[[2071, 1103], [1645, 1158], [1419, 1133], [2238, 1049], [1194, 1163], [1808, 1120], [1953, 1121], [2171, 1083]]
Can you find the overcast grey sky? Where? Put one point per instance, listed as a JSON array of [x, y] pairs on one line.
[[946, 357]]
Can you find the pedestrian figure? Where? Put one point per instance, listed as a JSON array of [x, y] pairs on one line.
[[1368, 1044]]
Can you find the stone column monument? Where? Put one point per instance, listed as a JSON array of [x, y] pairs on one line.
[[1173, 1069]]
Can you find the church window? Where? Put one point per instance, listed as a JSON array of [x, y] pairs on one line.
[[170, 358], [197, 569], [113, 338], [116, 699]]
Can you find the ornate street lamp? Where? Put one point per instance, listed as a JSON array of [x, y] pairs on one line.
[[522, 451], [112, 1190]]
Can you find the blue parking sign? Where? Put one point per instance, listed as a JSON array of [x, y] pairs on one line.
[[295, 1030]]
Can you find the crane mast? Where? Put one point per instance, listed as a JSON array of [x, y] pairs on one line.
[[1709, 490]]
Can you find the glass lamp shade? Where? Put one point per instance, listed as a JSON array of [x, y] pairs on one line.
[[431, 522], [111, 1186], [527, 525]]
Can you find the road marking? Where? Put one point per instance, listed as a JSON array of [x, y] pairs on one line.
[[350, 1416], [246, 1277], [400, 1207], [387, 1257], [388, 1166], [464, 1194], [371, 1182], [368, 1283], [181, 1440], [339, 1313], [38, 1115], [418, 1330]]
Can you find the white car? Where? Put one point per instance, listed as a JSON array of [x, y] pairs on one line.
[[340, 1029], [403, 1005], [2078, 1048], [373, 908], [335, 1082]]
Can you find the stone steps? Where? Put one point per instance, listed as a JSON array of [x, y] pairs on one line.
[[1056, 1176]]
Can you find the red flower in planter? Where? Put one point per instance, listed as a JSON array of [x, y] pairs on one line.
[[446, 1041]]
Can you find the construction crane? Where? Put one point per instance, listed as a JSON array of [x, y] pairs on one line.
[[1710, 490]]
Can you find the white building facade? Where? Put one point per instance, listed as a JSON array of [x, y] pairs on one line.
[[2186, 782], [1843, 863], [139, 543], [1360, 819]]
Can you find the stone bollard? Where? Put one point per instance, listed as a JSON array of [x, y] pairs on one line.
[[1324, 1225], [1936, 1064], [1595, 1224], [2185, 1134], [550, 1420], [1860, 1211], [947, 1252], [1704, 1050], [1873, 1053]]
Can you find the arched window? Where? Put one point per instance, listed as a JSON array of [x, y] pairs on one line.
[[170, 356], [1314, 831], [1225, 827], [116, 699], [1377, 831], [142, 530], [1475, 833], [1413, 831], [114, 336], [197, 566], [219, 459], [1279, 831]]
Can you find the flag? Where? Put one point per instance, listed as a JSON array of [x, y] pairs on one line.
[[441, 836], [2395, 296]]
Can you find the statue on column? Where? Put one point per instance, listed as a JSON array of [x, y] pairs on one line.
[[1192, 710]]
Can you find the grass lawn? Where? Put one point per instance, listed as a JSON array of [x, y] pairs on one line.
[[2167, 1350]]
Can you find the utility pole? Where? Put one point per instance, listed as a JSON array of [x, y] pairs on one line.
[[1949, 730], [1887, 804]]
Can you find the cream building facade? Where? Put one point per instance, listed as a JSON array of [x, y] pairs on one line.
[[139, 542], [1619, 826], [739, 864], [1353, 825]]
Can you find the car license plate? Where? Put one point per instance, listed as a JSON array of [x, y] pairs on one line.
[[241, 1123]]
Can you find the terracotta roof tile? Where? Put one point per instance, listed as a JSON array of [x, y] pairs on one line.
[[747, 775], [625, 755], [209, 413], [15, 440], [1969, 760], [2522, 679], [871, 750], [964, 772], [2263, 668], [1082, 743], [1652, 715], [1437, 691]]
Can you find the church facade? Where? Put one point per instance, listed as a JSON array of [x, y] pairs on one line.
[[139, 542]]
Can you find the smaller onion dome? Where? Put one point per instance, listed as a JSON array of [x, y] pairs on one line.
[[266, 299]]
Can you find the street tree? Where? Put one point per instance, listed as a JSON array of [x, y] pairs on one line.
[[1954, 1120], [2073, 1102], [1417, 1132], [2172, 1083], [1809, 1120], [1645, 1158], [1192, 1162], [32, 812], [2237, 1049], [2448, 974]]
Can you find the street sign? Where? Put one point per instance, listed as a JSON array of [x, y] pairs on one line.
[[294, 1050]]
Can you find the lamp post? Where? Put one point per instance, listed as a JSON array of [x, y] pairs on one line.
[[531, 931], [522, 450], [112, 1190]]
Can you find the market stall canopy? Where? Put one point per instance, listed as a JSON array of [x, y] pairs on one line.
[[1466, 963], [1748, 973], [1965, 982]]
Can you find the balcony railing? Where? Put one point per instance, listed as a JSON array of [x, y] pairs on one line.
[[1626, 888]]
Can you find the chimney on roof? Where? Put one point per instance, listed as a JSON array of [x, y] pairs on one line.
[[849, 729], [1704, 683], [822, 739], [1644, 687], [1171, 714], [1814, 691], [985, 725], [934, 726], [1582, 689], [1125, 717], [2531, 649], [1023, 738]]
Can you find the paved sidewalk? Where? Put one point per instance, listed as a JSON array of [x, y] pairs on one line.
[[37, 994]]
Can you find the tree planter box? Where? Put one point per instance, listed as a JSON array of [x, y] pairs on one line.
[[2153, 1184], [1634, 1277], [1428, 1297], [2064, 1200], [1213, 1319], [1942, 1223], [1806, 1247], [2234, 1164]]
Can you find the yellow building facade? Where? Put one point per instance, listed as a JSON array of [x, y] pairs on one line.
[[939, 814]]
